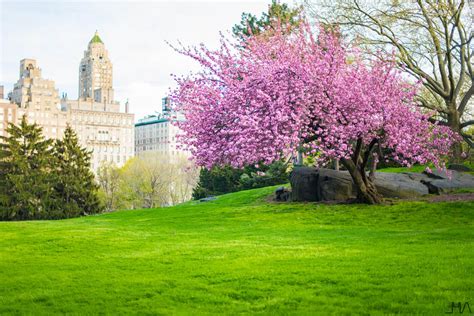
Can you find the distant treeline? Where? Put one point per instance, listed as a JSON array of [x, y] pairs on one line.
[[225, 179]]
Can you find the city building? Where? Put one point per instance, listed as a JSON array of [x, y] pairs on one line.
[[158, 133], [7, 113], [95, 116], [38, 99]]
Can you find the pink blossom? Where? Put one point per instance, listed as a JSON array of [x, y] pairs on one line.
[[263, 102]]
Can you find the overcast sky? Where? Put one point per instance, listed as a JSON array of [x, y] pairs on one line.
[[56, 33]]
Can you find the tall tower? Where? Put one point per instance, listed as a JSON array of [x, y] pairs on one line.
[[95, 73], [32, 91]]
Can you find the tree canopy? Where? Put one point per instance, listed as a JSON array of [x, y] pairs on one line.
[[259, 104], [433, 42]]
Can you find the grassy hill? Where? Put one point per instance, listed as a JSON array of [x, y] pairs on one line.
[[243, 254]]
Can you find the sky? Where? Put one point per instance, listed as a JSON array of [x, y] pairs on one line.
[[56, 33]]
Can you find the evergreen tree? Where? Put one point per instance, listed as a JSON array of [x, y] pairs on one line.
[[216, 181], [225, 179], [276, 11], [25, 178], [75, 186]]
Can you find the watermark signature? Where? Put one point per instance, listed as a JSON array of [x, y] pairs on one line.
[[459, 307]]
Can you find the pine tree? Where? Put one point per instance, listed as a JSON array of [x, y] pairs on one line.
[[251, 25], [75, 187], [25, 179]]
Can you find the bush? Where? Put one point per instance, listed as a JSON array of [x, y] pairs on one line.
[[221, 180], [44, 179]]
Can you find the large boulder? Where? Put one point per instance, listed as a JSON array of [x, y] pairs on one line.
[[439, 182], [311, 184], [304, 183], [335, 185], [400, 185], [282, 194]]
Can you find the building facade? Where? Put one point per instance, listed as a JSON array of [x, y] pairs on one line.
[[8, 114], [95, 73], [38, 99], [158, 133], [95, 116]]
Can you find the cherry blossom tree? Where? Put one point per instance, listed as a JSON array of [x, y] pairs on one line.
[[304, 89]]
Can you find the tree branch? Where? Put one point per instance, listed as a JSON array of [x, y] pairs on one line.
[[466, 124], [356, 156], [367, 154]]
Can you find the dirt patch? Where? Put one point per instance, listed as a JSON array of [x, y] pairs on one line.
[[452, 197]]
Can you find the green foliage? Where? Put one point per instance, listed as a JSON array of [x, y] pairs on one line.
[[420, 168], [251, 25], [26, 173], [108, 176], [40, 179], [243, 255], [220, 180], [417, 168], [217, 181], [263, 176], [75, 187], [146, 181]]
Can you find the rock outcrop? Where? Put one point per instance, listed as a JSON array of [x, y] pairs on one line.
[[311, 184], [304, 184], [439, 182], [282, 194]]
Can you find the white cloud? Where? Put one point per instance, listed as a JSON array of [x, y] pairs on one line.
[[142, 97]]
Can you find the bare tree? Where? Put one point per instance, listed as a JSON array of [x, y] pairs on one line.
[[153, 180], [184, 178], [433, 42], [108, 177]]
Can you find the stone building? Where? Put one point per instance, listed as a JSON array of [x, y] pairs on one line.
[[95, 116], [38, 99], [95, 73], [7, 113], [157, 133]]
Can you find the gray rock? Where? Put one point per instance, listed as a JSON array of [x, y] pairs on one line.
[[436, 174], [439, 182], [304, 183], [335, 185], [400, 185], [282, 194], [207, 199], [311, 184]]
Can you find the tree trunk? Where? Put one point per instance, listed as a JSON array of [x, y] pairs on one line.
[[299, 159], [454, 122], [366, 190]]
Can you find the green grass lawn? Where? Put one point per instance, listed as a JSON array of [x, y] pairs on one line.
[[240, 254], [416, 168], [420, 168]]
